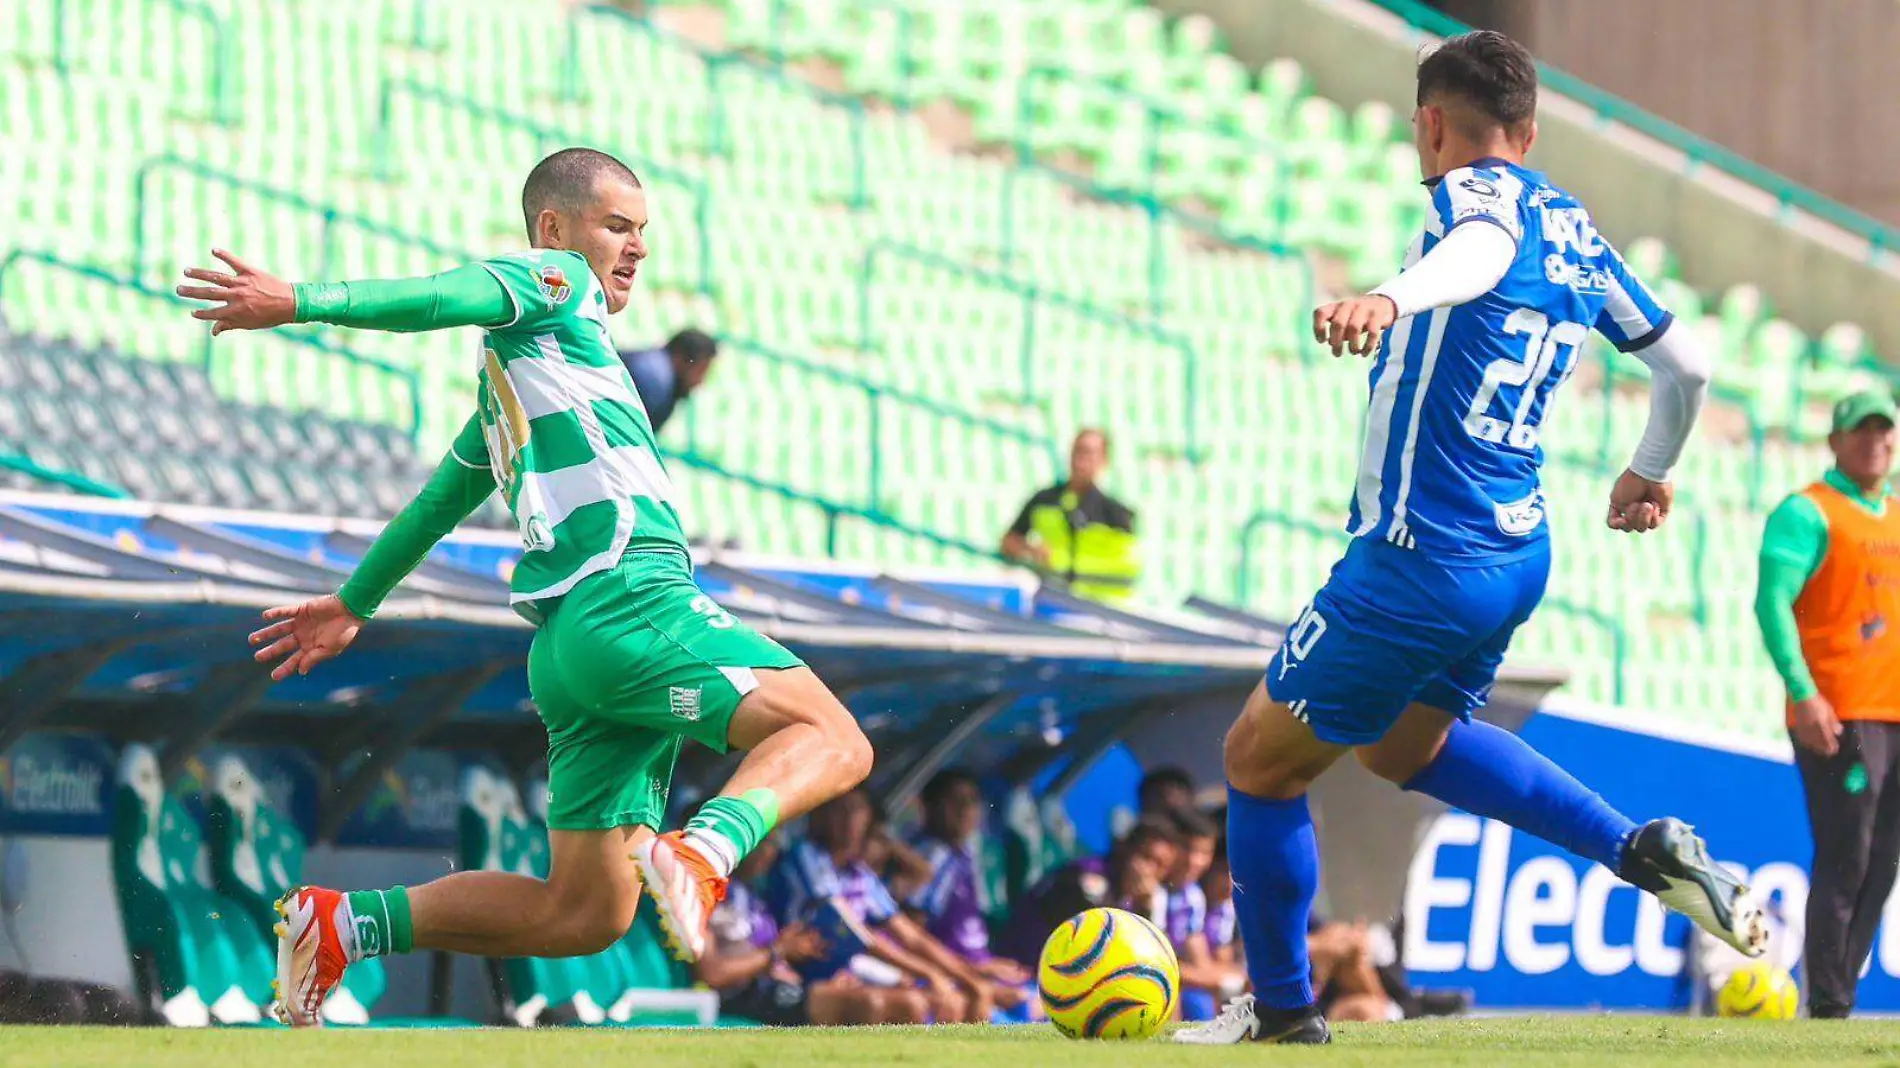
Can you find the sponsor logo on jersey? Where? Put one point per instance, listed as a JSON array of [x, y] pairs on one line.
[[685, 702], [1580, 277], [554, 284], [1521, 517]]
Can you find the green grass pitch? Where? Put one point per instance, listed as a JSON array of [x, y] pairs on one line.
[[1517, 1042]]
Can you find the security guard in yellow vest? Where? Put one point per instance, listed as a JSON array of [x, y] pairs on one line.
[[1075, 533]]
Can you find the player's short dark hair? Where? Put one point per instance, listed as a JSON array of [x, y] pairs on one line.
[[1486, 70], [693, 346], [565, 181], [1162, 778], [937, 790], [1147, 830], [1190, 824], [1091, 432]]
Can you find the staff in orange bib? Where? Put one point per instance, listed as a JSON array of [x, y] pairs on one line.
[[1829, 606]]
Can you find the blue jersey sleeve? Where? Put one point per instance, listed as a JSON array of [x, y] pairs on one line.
[[1479, 194], [1632, 317]]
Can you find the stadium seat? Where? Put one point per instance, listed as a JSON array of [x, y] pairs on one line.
[[257, 858], [196, 956]]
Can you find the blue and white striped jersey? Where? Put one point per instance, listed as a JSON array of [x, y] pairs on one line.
[[1458, 394]]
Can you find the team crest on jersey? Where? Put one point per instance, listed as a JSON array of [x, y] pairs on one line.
[[554, 284], [1479, 186]]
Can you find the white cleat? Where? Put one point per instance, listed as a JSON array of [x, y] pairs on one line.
[[685, 889], [1665, 858], [1240, 1022], [310, 955]]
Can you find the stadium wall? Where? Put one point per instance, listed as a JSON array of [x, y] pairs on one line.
[[1794, 87], [1724, 231]]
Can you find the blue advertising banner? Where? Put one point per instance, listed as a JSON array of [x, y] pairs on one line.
[[414, 805], [53, 783], [1525, 925]]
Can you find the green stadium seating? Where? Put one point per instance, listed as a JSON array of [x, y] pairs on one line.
[[1064, 196]]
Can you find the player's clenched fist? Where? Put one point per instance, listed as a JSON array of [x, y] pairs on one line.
[[246, 300], [1354, 325], [1637, 505]]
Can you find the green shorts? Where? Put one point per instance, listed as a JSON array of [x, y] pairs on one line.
[[628, 665]]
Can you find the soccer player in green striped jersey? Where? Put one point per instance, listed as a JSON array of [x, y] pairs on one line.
[[629, 660]]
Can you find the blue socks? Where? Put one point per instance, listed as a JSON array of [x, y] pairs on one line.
[[1275, 859], [1490, 772]]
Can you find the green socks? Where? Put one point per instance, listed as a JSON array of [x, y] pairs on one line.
[[380, 923], [725, 829]]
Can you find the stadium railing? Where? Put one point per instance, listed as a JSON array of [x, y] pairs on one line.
[[551, 137], [72, 480], [834, 511], [218, 97], [208, 355], [331, 216], [717, 61], [1146, 201], [1159, 213], [1243, 583], [1034, 296], [876, 396]]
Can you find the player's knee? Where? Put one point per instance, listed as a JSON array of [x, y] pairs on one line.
[[589, 924], [1258, 770], [849, 752], [855, 756], [1388, 763]]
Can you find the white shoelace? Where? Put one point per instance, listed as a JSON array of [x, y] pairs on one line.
[[1235, 1013]]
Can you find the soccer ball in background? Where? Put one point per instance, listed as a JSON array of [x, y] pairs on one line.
[[1760, 991], [1107, 973]]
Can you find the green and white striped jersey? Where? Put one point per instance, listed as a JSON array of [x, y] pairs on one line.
[[564, 433]]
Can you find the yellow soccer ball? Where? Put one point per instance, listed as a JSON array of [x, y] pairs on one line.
[[1108, 974], [1759, 991]]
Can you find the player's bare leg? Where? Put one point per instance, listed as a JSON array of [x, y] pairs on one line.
[[1271, 758], [803, 748], [585, 904], [1270, 753]]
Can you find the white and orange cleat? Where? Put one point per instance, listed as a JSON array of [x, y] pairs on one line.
[[310, 954], [685, 888]]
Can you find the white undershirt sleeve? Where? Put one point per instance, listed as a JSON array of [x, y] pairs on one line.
[[1678, 383], [1464, 266]]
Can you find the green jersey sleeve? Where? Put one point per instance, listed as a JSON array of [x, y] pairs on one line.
[[465, 296], [460, 484], [1792, 544], [544, 285]]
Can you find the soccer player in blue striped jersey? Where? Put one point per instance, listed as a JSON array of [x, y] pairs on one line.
[[1451, 544]]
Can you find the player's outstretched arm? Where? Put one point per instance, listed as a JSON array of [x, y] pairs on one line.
[[302, 636], [245, 298], [1464, 266]]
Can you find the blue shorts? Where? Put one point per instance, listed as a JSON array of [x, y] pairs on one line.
[[1390, 628]]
